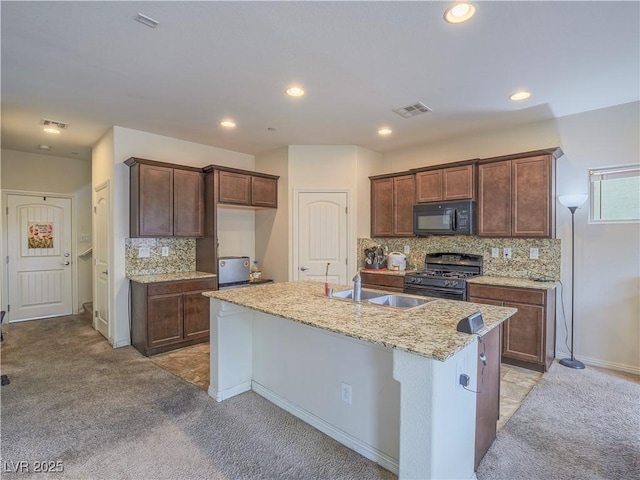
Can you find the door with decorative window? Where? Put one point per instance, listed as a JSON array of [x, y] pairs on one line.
[[39, 257]]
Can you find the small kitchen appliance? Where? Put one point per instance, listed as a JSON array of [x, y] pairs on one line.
[[397, 261], [444, 218], [444, 275], [233, 272]]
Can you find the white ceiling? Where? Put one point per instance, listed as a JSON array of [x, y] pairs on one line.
[[91, 65]]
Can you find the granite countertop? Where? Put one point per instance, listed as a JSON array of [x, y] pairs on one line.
[[170, 277], [429, 330], [514, 282]]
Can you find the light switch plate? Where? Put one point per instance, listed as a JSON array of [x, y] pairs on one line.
[[533, 253], [495, 252], [407, 249], [165, 251], [143, 252]]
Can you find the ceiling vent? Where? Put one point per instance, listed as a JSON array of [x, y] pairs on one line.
[[412, 110], [53, 123]]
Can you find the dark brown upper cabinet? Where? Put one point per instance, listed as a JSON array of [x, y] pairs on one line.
[[392, 199], [450, 183], [252, 189], [516, 195], [166, 200]]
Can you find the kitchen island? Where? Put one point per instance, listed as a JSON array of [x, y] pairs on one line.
[[382, 381]]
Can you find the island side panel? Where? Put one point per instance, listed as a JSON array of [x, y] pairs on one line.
[[437, 415], [301, 369], [231, 337]]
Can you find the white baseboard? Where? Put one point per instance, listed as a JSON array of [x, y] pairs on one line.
[[594, 362], [120, 343], [221, 395], [344, 438]]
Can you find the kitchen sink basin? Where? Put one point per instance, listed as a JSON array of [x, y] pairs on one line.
[[399, 301], [348, 294]]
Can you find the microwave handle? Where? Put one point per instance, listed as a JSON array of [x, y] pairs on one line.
[[454, 216]]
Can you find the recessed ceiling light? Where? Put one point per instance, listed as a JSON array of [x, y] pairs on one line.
[[521, 95], [228, 123], [385, 131], [51, 130], [295, 91], [44, 147], [459, 12]]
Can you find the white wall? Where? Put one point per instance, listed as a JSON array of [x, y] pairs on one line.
[[607, 256], [235, 228], [272, 225], [33, 172]]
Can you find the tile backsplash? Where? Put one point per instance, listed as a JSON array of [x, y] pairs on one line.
[[547, 265], [181, 258]]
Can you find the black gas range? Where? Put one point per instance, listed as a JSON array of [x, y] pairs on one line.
[[444, 275]]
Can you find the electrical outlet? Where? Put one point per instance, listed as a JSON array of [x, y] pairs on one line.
[[533, 253], [143, 252], [345, 392], [407, 249], [495, 252], [165, 251], [507, 252], [459, 370]]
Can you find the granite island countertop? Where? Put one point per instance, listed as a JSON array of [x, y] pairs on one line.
[[170, 277], [513, 282], [428, 330]]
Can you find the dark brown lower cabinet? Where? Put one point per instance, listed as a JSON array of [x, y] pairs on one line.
[[169, 315], [488, 396], [382, 281], [528, 338]]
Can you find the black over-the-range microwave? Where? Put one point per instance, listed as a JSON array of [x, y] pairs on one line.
[[444, 218]]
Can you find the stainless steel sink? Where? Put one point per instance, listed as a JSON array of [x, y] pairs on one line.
[[348, 294], [399, 301]]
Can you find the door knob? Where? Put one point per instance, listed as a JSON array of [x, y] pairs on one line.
[[304, 269], [106, 272], [66, 263]]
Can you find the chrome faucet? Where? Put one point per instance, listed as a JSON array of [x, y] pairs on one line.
[[357, 288]]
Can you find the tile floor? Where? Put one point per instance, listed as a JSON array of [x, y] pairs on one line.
[[192, 364]]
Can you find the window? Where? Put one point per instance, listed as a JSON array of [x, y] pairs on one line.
[[615, 194]]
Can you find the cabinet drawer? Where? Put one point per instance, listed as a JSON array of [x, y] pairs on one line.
[[382, 280], [520, 295], [165, 288]]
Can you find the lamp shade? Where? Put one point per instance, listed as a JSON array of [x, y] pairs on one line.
[[574, 200]]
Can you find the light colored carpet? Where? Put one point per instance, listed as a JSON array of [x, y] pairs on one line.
[[575, 424], [114, 414]]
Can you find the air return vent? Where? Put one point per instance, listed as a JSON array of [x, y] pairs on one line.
[[53, 123], [412, 110]]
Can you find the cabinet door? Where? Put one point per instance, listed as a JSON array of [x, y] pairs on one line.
[[523, 333], [404, 188], [458, 182], [196, 315], [164, 320], [188, 203], [531, 200], [234, 188], [155, 201], [264, 192], [494, 199], [382, 207], [429, 186], [488, 398]]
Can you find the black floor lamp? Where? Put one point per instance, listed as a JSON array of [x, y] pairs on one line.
[[572, 202]]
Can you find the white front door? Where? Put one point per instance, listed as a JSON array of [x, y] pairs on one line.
[[322, 236], [101, 260], [39, 251]]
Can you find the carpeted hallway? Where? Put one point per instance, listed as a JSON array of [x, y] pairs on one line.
[[114, 414]]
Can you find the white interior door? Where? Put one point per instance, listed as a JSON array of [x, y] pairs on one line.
[[39, 251], [322, 236], [101, 260]]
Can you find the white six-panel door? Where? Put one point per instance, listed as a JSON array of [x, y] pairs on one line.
[[39, 255], [322, 236]]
